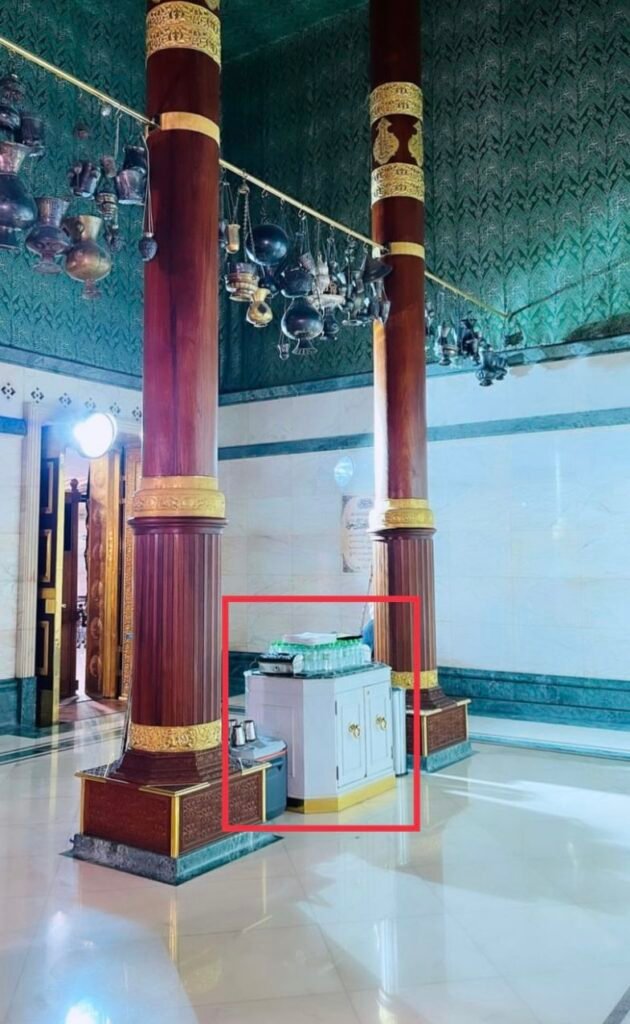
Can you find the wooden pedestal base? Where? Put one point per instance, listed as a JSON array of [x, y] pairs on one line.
[[440, 728], [167, 820]]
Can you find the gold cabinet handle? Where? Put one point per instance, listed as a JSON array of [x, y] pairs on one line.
[[381, 722], [354, 730]]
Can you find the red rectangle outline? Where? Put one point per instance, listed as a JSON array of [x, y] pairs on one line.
[[414, 601]]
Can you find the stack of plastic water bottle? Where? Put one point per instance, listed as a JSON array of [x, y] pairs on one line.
[[325, 653]]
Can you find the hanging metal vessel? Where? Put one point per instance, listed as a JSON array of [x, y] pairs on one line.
[[86, 260], [17, 206], [241, 281], [259, 313], [11, 96], [47, 238], [32, 132], [83, 177], [302, 321], [268, 245], [131, 181]]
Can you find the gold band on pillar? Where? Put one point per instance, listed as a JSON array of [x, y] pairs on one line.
[[179, 496], [177, 25], [179, 120], [396, 98], [406, 680], [405, 249], [401, 514], [174, 739], [397, 180]]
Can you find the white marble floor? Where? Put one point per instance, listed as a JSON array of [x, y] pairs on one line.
[[511, 907]]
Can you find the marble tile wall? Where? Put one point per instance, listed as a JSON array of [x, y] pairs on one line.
[[10, 474], [533, 565]]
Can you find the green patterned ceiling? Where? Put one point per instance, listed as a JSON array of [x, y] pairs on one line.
[[249, 25]]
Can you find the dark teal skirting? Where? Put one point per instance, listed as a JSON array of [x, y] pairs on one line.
[[571, 700], [17, 703]]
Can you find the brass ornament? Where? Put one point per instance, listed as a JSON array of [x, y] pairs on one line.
[[386, 145], [174, 739], [396, 98], [416, 144], [179, 25], [195, 496], [406, 680], [401, 514], [406, 249], [397, 180], [178, 120]]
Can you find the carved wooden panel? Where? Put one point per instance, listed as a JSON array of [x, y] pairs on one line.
[[127, 814], [103, 528]]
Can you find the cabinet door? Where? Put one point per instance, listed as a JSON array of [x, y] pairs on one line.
[[351, 751], [378, 727]]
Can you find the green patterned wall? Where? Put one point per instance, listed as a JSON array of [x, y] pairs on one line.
[[46, 315], [526, 146], [527, 159]]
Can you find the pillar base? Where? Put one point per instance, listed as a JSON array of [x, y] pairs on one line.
[[162, 868], [443, 734], [127, 821], [184, 769]]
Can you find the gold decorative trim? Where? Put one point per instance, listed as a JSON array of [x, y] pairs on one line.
[[179, 496], [330, 804], [173, 739], [406, 249], [386, 145], [397, 180], [401, 513], [175, 822], [416, 144], [405, 680], [396, 98], [177, 25], [179, 120]]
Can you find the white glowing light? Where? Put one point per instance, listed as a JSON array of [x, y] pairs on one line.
[[95, 435], [343, 471]]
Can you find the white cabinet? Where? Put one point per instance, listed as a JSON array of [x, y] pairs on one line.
[[338, 733], [351, 748], [378, 726]]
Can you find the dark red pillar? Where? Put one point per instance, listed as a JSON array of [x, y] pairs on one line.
[[402, 522]]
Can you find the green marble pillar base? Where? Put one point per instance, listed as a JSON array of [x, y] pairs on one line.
[[443, 758], [160, 867]]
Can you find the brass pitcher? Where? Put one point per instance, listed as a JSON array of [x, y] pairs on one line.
[[259, 312], [86, 260]]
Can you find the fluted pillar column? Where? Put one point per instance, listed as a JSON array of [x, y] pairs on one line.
[[402, 521], [178, 513]]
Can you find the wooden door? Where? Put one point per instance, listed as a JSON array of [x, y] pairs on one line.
[[351, 750], [50, 575], [132, 475], [378, 727], [102, 678], [69, 605]]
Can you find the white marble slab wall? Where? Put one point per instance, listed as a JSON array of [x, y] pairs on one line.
[[532, 558], [10, 474]]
